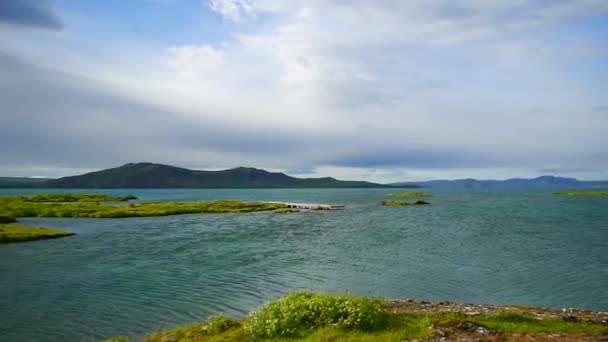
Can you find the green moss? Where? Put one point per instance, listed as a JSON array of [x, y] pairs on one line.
[[517, 323], [401, 203], [408, 194], [71, 198], [309, 317], [581, 193], [20, 207], [19, 233]]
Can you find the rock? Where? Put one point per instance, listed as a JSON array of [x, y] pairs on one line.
[[570, 318], [468, 326]]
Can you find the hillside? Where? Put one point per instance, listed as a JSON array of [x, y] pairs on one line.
[[148, 175]]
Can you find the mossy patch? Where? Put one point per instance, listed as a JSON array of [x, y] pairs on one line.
[[17, 206], [402, 203], [581, 193], [72, 198], [408, 194], [20, 233]]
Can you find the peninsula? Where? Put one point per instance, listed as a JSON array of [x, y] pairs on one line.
[[308, 317]]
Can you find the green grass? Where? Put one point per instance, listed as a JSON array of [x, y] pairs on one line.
[[517, 323], [69, 198], [581, 193], [20, 207], [19, 233], [408, 194], [402, 203], [310, 317]]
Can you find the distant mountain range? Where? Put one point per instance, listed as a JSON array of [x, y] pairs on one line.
[[149, 175], [542, 181], [158, 176]]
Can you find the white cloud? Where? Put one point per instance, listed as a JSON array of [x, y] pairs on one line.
[[232, 9], [194, 60], [358, 89]]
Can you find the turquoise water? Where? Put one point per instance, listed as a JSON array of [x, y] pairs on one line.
[[132, 276]]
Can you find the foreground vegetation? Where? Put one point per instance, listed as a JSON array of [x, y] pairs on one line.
[[408, 194], [402, 203], [303, 316], [19, 233], [80, 205], [581, 193]]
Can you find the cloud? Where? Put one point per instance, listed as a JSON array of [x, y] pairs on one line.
[[600, 108], [232, 9], [30, 13], [380, 89]]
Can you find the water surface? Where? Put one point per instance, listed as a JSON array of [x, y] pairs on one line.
[[136, 275]]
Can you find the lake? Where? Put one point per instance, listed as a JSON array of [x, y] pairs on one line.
[[137, 275]]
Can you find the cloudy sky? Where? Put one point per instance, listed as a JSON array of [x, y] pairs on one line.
[[381, 90]]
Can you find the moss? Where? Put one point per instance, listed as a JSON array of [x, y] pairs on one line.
[[582, 193], [19, 233], [72, 198], [401, 203], [408, 194], [19, 207]]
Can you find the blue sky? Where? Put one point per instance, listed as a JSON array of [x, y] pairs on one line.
[[378, 90]]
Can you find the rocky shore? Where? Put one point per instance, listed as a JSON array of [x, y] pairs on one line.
[[468, 331]]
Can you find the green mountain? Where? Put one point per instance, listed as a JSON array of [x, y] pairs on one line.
[[148, 175]]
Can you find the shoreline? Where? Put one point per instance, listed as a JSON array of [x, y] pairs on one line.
[[313, 317]]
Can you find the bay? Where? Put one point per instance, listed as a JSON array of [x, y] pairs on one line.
[[137, 275]]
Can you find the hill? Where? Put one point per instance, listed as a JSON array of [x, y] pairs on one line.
[[22, 182], [149, 175], [542, 181]]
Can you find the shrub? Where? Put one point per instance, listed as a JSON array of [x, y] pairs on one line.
[[301, 313]]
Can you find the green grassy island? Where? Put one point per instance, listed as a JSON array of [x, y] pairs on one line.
[[408, 194], [581, 193], [74, 198], [309, 317], [80, 205], [19, 233], [402, 203]]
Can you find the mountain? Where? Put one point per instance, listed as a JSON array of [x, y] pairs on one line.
[[542, 181], [148, 175], [22, 182]]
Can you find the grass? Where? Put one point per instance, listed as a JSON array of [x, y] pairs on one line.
[[19, 206], [19, 233], [310, 317], [581, 193], [408, 194], [402, 203], [70, 198]]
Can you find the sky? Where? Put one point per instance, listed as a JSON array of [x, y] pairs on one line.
[[382, 90]]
